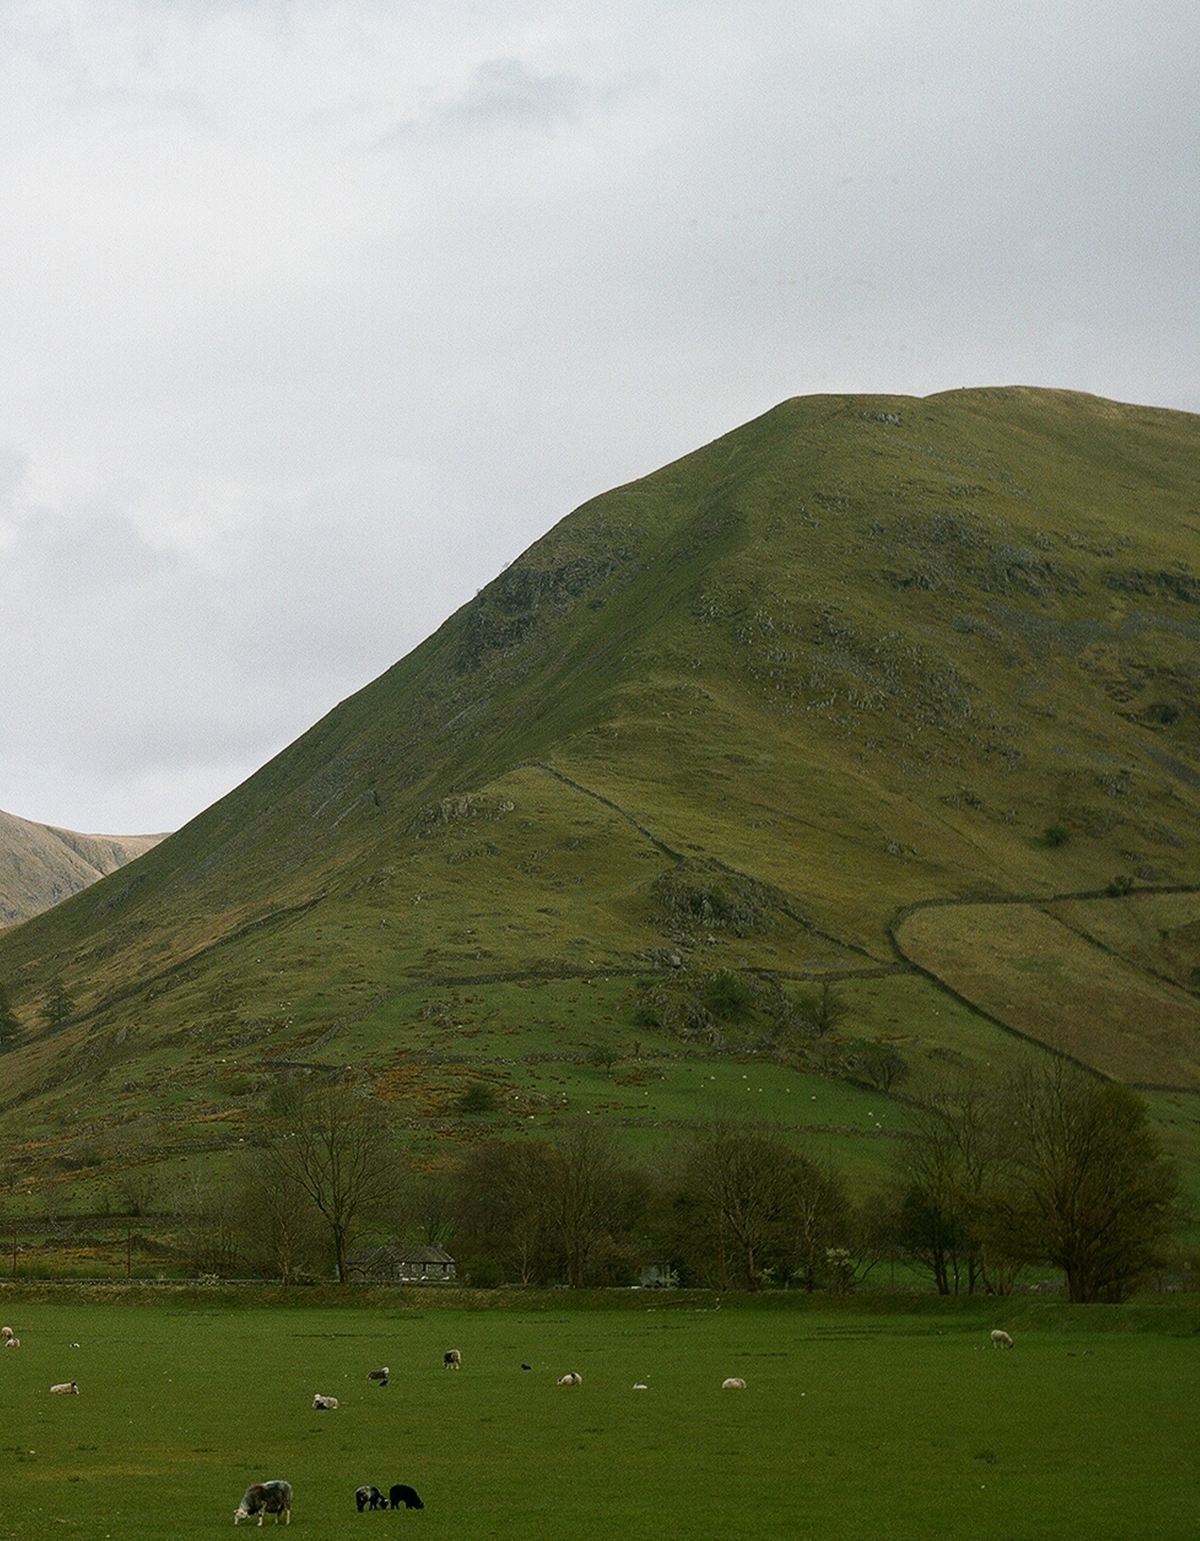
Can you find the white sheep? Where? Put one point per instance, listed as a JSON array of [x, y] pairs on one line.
[[12, 1342], [328, 1403], [263, 1498], [734, 1383], [6, 1332], [65, 1388], [1000, 1338], [452, 1359], [570, 1379]]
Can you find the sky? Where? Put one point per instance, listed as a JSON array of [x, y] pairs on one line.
[[315, 314]]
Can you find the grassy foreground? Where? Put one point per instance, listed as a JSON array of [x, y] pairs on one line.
[[857, 1420]]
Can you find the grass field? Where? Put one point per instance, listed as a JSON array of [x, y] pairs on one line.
[[857, 1421]]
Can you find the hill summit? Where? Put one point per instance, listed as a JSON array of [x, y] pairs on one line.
[[804, 706]]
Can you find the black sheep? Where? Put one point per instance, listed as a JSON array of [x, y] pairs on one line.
[[407, 1496]]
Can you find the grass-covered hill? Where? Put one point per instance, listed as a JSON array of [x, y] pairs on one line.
[[739, 760], [41, 865]]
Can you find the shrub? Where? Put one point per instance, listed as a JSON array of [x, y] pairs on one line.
[[728, 996], [478, 1098]]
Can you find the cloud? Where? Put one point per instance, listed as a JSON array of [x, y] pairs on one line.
[[506, 93]]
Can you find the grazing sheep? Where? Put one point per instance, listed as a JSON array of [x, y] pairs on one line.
[[65, 1388], [253, 1502], [402, 1494], [640, 1385], [734, 1383], [452, 1359], [1000, 1338], [369, 1498], [570, 1379], [324, 1402], [381, 1375], [263, 1498], [6, 1332]]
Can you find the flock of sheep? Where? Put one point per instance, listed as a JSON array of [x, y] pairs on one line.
[[275, 1497]]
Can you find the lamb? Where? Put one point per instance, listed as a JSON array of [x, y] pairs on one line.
[[381, 1375], [570, 1379], [403, 1494], [264, 1498], [6, 1333], [12, 1342], [369, 1498], [65, 1388], [734, 1383], [452, 1359], [1000, 1338], [327, 1403]]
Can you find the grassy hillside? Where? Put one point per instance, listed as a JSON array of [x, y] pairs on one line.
[[672, 774]]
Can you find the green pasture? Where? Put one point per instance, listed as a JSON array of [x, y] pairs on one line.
[[856, 1421]]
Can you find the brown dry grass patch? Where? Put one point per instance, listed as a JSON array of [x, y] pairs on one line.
[[1023, 966]]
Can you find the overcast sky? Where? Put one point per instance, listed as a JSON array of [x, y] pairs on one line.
[[314, 315]]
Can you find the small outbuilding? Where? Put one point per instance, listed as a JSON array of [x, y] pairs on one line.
[[394, 1264]]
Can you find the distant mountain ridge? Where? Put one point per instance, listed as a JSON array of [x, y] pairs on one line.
[[41, 865]]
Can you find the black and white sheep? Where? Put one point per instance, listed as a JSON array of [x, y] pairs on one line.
[[452, 1359], [570, 1379], [368, 1497], [326, 1403], [381, 1375], [65, 1388]]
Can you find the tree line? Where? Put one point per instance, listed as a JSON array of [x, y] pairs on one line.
[[1053, 1169]]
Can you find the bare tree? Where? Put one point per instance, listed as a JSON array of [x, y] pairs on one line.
[[206, 1213], [948, 1176], [534, 1212], [501, 1225], [737, 1210], [583, 1198], [823, 1217], [283, 1232], [1087, 1187], [339, 1153], [425, 1204]]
